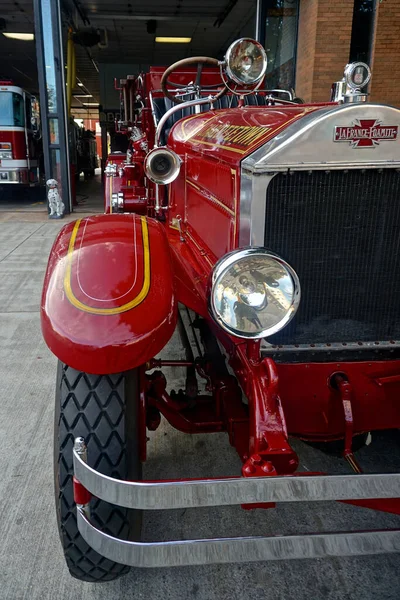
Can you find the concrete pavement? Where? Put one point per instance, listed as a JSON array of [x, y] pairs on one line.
[[31, 561]]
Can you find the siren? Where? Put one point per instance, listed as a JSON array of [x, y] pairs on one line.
[[162, 165]]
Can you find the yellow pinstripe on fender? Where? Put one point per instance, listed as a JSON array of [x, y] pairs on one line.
[[120, 309]]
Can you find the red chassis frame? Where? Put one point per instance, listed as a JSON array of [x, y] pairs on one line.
[[259, 432]]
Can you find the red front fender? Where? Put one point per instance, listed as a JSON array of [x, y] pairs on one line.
[[108, 302]]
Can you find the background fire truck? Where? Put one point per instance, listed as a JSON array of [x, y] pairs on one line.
[[20, 143]]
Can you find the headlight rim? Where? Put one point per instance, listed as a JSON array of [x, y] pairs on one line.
[[227, 57], [224, 263]]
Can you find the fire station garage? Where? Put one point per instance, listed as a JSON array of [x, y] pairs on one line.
[[199, 291]]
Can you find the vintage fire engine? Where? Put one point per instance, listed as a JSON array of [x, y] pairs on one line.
[[244, 196], [20, 146]]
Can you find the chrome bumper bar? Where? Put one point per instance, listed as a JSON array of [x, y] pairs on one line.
[[230, 491], [241, 549], [236, 490]]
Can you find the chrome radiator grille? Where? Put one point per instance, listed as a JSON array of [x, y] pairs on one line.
[[340, 230]]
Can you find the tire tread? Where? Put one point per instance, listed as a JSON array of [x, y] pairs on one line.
[[94, 407]]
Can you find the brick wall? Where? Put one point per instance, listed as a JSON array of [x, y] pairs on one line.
[[323, 46], [385, 83], [307, 32]]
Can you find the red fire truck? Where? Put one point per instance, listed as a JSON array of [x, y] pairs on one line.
[[20, 144], [245, 196]]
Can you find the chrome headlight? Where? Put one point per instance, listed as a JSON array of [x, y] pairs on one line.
[[162, 165], [5, 154], [246, 61], [254, 293]]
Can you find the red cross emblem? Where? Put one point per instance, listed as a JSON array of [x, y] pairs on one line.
[[365, 133]]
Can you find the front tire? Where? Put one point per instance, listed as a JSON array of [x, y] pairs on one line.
[[103, 410]]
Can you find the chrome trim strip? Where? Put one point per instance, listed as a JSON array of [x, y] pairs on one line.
[[252, 214], [267, 348], [308, 143], [233, 491], [240, 549], [14, 164], [329, 166]]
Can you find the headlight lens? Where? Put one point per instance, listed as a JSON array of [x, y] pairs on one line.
[[246, 61], [254, 293], [5, 154]]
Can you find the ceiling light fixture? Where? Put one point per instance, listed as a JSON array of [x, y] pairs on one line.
[[80, 83], [26, 37], [83, 95], [90, 103], [173, 40]]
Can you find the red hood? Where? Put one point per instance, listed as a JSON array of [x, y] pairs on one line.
[[233, 133]]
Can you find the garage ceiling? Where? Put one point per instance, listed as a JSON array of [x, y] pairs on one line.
[[18, 59], [123, 27]]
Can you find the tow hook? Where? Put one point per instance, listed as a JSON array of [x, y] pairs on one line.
[[341, 383]]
